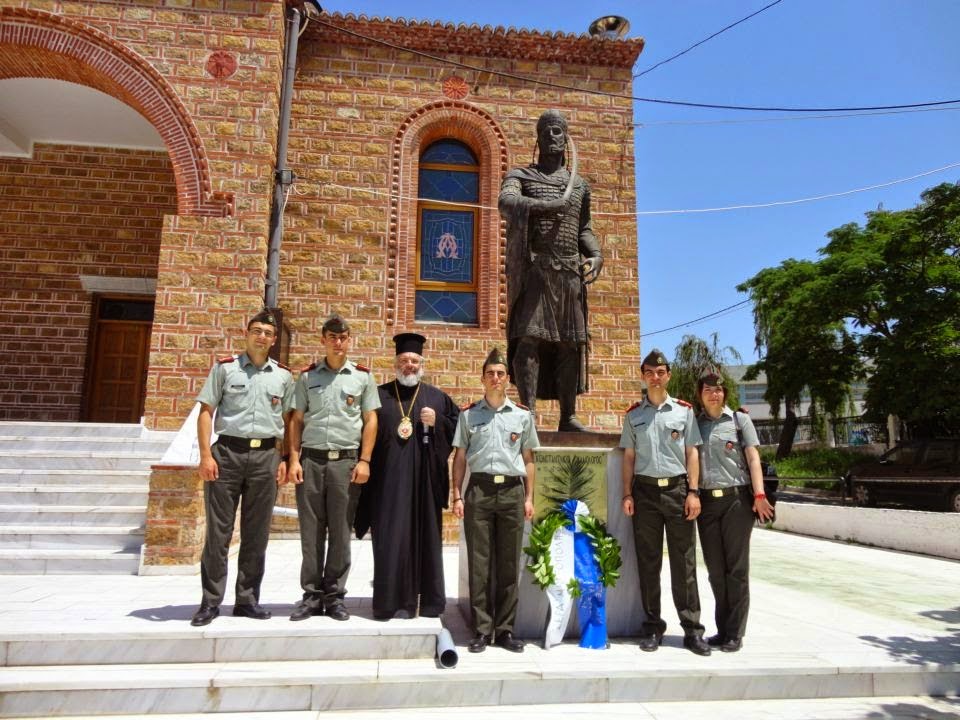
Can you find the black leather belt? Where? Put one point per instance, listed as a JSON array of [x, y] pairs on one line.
[[664, 483], [325, 455], [504, 480], [247, 444], [718, 493]]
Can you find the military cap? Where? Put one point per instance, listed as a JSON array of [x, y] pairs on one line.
[[495, 357], [335, 324], [409, 342], [711, 376], [655, 357], [265, 317]]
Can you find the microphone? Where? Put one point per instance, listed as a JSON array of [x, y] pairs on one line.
[[427, 432]]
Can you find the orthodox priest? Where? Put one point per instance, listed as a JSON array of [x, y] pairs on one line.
[[408, 488]]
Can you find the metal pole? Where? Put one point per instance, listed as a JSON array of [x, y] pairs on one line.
[[283, 177]]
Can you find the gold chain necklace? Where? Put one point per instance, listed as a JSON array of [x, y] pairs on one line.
[[405, 428]]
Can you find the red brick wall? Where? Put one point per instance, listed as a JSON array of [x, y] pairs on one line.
[[69, 211], [362, 114]]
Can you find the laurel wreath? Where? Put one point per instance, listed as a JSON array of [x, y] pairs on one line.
[[606, 550]]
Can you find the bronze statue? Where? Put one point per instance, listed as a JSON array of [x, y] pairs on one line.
[[552, 255]]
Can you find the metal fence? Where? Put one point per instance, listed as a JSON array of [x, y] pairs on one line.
[[847, 431]]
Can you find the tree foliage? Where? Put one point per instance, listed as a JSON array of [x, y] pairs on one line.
[[882, 301], [694, 355]]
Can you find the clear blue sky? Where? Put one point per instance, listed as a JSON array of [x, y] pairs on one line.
[[799, 53]]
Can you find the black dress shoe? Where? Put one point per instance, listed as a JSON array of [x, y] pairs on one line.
[[732, 645], [254, 610], [302, 611], [478, 644], [507, 641], [650, 643], [338, 612], [205, 615], [696, 644], [716, 640]]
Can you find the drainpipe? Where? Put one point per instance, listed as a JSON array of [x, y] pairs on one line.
[[283, 176]]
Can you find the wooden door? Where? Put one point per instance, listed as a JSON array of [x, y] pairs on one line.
[[118, 356]]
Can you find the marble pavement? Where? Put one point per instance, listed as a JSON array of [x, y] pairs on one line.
[[835, 629]]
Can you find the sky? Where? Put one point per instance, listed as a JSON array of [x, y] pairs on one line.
[[798, 53]]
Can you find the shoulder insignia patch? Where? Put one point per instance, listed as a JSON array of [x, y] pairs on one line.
[[743, 410], [308, 368], [467, 405], [283, 367], [633, 407], [226, 359], [684, 403], [523, 407], [364, 368]]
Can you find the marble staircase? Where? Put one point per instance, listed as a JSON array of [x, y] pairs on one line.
[[73, 496]]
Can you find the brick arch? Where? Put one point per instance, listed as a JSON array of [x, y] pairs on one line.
[[475, 127], [42, 45]]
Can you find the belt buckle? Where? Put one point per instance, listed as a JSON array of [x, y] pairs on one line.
[[716, 493], [663, 482], [499, 479], [333, 454], [255, 442]]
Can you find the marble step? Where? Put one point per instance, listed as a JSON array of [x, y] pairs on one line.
[[83, 515], [324, 685], [70, 537], [87, 459], [42, 444], [74, 477], [77, 429], [80, 561], [116, 495], [131, 643]]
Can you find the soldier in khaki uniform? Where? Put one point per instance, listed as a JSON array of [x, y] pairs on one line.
[[496, 439], [332, 431], [661, 473], [250, 394]]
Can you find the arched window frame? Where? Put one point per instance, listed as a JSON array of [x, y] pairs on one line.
[[479, 131]]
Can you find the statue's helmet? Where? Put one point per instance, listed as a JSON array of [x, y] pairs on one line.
[[551, 117]]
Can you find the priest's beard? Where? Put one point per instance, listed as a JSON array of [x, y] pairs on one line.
[[410, 380]]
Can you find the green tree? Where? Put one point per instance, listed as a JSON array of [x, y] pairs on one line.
[[885, 295], [694, 355]]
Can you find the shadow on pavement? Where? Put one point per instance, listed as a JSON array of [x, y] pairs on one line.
[[924, 651]]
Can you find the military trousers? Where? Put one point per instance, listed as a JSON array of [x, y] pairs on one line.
[[493, 526], [247, 480], [657, 511], [725, 526], [326, 504]]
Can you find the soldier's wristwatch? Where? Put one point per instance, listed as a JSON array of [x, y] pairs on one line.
[[695, 491]]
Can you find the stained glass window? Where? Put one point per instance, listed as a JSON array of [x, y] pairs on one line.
[[446, 234]]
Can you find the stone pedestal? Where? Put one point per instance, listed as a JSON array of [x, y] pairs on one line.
[[624, 614]]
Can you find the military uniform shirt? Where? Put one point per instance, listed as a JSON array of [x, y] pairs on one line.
[[250, 401], [721, 462], [495, 439], [660, 436], [333, 403]]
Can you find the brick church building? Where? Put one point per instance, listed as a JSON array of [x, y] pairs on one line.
[[127, 267]]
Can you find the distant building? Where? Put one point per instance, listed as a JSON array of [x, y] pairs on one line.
[[751, 394]]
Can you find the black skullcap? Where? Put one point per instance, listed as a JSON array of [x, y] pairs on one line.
[[265, 317], [335, 324], [409, 342], [495, 357], [655, 357]]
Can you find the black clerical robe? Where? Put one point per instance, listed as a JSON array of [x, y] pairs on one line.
[[403, 502]]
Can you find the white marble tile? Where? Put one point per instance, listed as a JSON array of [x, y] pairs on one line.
[[917, 683], [568, 690], [110, 651], [333, 696], [357, 672]]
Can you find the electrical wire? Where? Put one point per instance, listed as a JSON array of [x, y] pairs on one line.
[[789, 118], [706, 39], [711, 316], [635, 98], [638, 213]]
